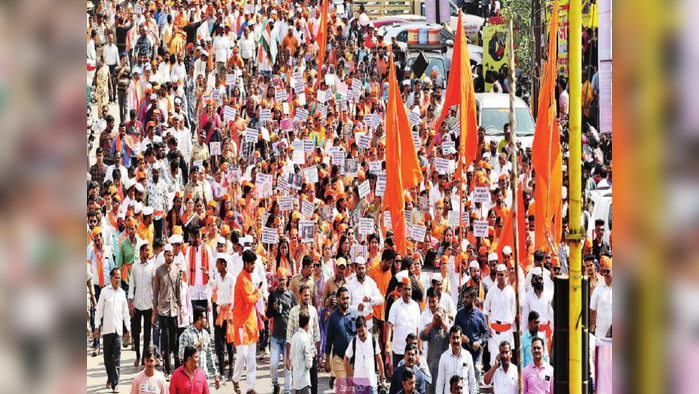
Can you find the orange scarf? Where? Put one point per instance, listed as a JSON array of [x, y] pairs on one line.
[[112, 220], [225, 313], [100, 267], [193, 264]]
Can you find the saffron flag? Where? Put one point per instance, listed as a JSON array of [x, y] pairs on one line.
[[467, 105], [546, 157], [322, 38], [394, 200]]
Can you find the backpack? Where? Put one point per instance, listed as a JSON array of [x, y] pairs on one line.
[[354, 350]]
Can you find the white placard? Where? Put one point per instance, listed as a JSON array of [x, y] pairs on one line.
[[311, 174], [265, 115], [448, 147], [441, 165], [413, 118], [417, 232], [280, 95], [307, 208], [228, 114], [364, 189], [481, 194], [387, 219], [216, 95], [364, 141], [295, 181], [249, 9], [322, 109], [215, 148], [366, 226], [251, 136], [338, 155], [299, 87], [230, 79], [308, 231], [330, 79], [269, 235], [265, 133], [327, 213], [308, 146], [375, 167], [282, 185], [380, 185], [351, 167], [302, 98], [299, 157], [356, 85], [301, 114], [298, 145], [138, 9], [285, 108], [375, 121], [453, 218], [480, 228], [211, 82], [357, 251], [286, 203], [263, 183], [416, 140], [321, 97]]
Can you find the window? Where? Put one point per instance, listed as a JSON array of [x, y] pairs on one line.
[[493, 119], [402, 36]]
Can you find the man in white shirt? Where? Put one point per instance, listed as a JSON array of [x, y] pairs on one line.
[[141, 299], [362, 357], [540, 300], [500, 311], [301, 352], [222, 50], [113, 313], [223, 284], [111, 58], [364, 294], [601, 302], [503, 374], [456, 362], [402, 320], [202, 256]]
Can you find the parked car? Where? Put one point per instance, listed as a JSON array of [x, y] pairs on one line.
[[600, 208], [493, 111]]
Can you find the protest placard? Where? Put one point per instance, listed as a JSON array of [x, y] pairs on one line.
[[251, 136], [230, 79], [448, 147], [287, 124], [265, 115], [263, 184], [380, 185], [307, 208], [228, 114], [387, 219], [366, 226], [280, 95], [481, 194], [364, 189], [417, 232], [308, 231], [286, 203], [301, 114], [375, 167], [283, 185], [453, 218], [413, 118], [441, 165], [364, 141], [311, 174], [480, 228], [215, 148], [269, 235]]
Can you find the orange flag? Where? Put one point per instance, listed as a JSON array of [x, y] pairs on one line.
[[454, 85], [507, 233], [467, 105], [410, 166], [546, 158], [322, 37], [394, 200]]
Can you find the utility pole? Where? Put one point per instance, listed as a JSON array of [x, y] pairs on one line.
[[536, 75]]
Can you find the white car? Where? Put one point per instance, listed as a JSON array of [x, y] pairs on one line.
[[493, 111], [600, 208]]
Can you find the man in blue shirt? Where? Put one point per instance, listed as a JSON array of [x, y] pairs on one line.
[[410, 358], [473, 326], [341, 329], [527, 336]]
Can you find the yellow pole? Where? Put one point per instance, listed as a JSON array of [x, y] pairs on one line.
[[575, 193]]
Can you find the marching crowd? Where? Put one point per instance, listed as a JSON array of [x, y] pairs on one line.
[[235, 210]]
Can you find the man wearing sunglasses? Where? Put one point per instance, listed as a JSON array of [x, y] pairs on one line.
[[601, 302]]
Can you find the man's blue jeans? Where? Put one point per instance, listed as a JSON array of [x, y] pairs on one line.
[[278, 348]]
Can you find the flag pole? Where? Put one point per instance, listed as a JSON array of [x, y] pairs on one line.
[[575, 193], [514, 182]]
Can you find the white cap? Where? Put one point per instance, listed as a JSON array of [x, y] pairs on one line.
[[153, 96], [536, 271], [221, 241], [501, 268], [437, 277], [474, 264], [360, 260], [507, 250], [137, 208], [176, 239], [225, 257], [168, 248], [493, 257], [246, 240], [139, 187], [129, 183], [140, 243], [147, 211], [155, 166]]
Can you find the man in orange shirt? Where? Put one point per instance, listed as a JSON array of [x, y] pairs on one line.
[[246, 333], [290, 41], [381, 274]]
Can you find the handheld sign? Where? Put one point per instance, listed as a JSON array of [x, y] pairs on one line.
[[481, 194], [269, 235], [366, 226], [311, 174], [480, 228], [364, 189]]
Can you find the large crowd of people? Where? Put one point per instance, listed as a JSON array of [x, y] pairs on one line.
[[235, 210]]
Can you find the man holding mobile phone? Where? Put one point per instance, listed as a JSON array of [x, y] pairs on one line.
[[503, 374]]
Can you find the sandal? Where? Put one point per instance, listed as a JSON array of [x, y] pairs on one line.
[[236, 387]]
